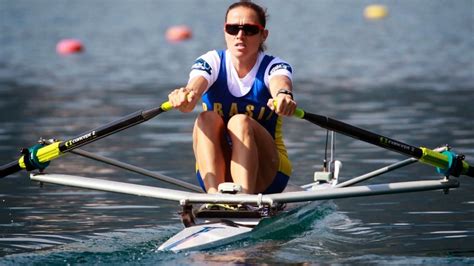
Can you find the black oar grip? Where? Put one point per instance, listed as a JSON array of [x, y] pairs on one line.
[[9, 169]]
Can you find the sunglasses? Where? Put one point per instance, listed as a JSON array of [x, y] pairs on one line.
[[248, 29]]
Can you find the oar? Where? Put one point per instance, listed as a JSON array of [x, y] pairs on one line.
[[38, 157], [446, 162]]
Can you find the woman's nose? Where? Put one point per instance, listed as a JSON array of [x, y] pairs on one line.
[[240, 33]]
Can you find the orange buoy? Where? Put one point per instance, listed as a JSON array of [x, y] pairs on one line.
[[178, 33], [69, 46]]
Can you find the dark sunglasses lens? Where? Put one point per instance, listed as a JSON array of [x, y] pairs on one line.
[[248, 29], [251, 29], [232, 29]]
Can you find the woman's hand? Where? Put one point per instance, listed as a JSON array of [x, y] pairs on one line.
[[282, 104], [182, 99]]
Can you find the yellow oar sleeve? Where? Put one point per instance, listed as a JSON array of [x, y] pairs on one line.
[[48, 153], [434, 158], [44, 154]]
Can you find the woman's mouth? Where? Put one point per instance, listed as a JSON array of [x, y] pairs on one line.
[[240, 45]]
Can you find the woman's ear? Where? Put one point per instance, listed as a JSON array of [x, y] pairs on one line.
[[265, 34]]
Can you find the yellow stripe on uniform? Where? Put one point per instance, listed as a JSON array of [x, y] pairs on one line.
[[284, 165]]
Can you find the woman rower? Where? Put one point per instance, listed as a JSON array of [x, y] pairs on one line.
[[238, 136]]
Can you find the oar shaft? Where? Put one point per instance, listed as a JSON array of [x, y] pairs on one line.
[[424, 155], [9, 168], [364, 135], [54, 150], [101, 132]]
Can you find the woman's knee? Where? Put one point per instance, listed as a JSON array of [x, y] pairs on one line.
[[209, 118], [208, 125], [240, 124], [208, 121]]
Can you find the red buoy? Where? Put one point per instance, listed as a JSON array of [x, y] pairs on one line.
[[69, 46], [178, 33]]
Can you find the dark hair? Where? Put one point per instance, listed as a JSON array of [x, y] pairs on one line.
[[261, 14]]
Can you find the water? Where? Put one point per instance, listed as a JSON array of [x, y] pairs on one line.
[[409, 77]]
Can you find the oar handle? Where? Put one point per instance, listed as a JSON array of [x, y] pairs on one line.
[[166, 106], [299, 113]]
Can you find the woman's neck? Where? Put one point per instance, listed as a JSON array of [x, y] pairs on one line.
[[244, 65]]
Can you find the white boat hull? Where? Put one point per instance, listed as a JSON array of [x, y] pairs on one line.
[[204, 236]]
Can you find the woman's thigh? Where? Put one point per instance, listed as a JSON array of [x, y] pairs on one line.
[[264, 144]]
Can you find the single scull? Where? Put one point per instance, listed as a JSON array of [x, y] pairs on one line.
[[227, 216]]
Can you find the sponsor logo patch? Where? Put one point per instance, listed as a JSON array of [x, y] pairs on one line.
[[202, 65], [279, 66]]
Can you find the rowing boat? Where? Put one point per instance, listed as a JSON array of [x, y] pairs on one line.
[[213, 225], [212, 220]]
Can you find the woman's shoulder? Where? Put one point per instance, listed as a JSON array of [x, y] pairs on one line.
[[276, 63], [274, 58], [207, 66], [211, 56]]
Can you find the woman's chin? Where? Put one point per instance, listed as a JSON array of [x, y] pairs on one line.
[[238, 52], [241, 53]]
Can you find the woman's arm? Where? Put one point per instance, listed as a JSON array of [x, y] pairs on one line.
[[186, 98], [281, 89]]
